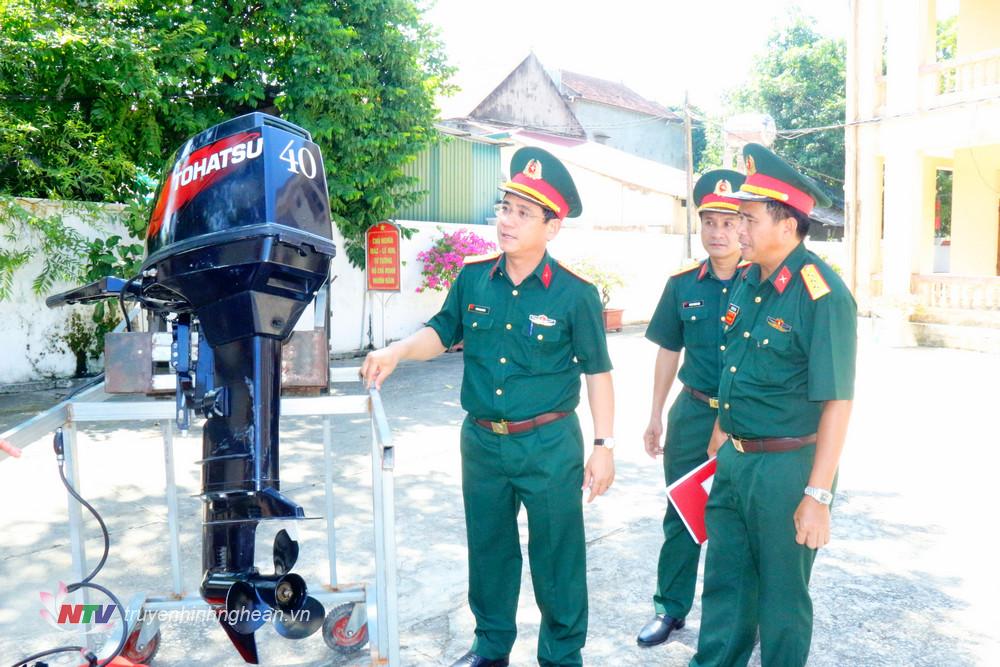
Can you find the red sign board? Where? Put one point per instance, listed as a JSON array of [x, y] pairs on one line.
[[382, 257]]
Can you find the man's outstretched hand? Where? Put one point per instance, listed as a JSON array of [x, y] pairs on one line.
[[379, 365]]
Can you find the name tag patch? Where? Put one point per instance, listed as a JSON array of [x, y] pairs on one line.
[[482, 310], [693, 304], [542, 320], [779, 324]]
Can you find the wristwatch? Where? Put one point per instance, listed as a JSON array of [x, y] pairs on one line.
[[607, 443], [821, 496]]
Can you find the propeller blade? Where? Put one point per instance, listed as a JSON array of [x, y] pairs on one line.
[[286, 552], [242, 602], [300, 623]]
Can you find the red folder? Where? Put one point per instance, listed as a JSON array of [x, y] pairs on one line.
[[689, 494]]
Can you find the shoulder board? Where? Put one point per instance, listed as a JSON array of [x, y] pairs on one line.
[[573, 273], [815, 284], [686, 269], [478, 259]]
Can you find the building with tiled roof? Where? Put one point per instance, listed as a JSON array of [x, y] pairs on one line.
[[584, 107]]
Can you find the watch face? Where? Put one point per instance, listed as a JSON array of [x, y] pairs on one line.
[[607, 443], [820, 495]]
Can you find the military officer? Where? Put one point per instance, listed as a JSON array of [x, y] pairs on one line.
[[785, 400], [531, 327], [687, 318]]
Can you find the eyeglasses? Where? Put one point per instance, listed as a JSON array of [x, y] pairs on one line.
[[505, 210]]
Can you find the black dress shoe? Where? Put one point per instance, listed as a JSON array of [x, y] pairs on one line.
[[658, 630], [470, 659]]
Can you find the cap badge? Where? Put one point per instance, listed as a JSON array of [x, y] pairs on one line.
[[722, 187], [533, 169], [751, 166]]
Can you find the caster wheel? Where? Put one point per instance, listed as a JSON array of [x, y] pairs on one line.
[[141, 654], [337, 636]]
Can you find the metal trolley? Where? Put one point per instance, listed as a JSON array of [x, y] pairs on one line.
[[361, 613]]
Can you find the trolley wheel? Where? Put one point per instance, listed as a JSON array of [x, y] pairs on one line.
[[142, 655], [337, 636]]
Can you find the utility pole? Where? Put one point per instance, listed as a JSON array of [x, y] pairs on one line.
[[690, 178]]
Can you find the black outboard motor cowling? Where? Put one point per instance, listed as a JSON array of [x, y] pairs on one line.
[[238, 243], [240, 237]]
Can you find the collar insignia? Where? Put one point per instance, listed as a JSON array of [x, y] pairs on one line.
[[782, 279]]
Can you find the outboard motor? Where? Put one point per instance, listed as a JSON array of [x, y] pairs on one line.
[[238, 243]]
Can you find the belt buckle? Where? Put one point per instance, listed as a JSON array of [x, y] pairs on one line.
[[500, 427], [738, 444], [713, 402]]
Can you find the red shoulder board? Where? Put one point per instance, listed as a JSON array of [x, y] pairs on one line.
[[685, 269], [815, 284], [573, 273], [478, 259]]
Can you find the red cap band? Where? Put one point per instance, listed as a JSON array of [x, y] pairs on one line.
[[542, 192], [759, 184]]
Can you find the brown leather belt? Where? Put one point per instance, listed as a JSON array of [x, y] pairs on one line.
[[504, 427], [767, 445], [712, 401]]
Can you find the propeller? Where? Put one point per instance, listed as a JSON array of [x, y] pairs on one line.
[[296, 614]]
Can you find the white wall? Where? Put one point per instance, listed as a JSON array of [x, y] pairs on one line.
[[29, 330]]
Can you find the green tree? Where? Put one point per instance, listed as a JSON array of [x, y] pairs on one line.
[[361, 76], [800, 82], [96, 95]]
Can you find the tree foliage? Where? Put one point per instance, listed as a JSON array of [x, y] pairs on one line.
[[96, 95], [800, 81]]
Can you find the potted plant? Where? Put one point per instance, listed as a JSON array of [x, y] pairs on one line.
[[606, 281]]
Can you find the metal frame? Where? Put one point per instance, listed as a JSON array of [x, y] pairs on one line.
[[380, 598]]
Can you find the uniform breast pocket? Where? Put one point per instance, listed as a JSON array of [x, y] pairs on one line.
[[698, 325], [776, 358], [476, 330], [547, 347]]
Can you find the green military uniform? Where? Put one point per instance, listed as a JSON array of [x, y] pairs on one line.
[[790, 346], [687, 317], [526, 346]]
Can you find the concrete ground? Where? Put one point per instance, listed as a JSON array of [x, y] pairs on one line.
[[909, 578]]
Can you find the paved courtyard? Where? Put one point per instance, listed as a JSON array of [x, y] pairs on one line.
[[909, 578]]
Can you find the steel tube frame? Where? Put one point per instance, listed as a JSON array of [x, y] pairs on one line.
[[381, 599]]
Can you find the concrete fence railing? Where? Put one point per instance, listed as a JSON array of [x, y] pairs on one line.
[[962, 78], [957, 292]]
